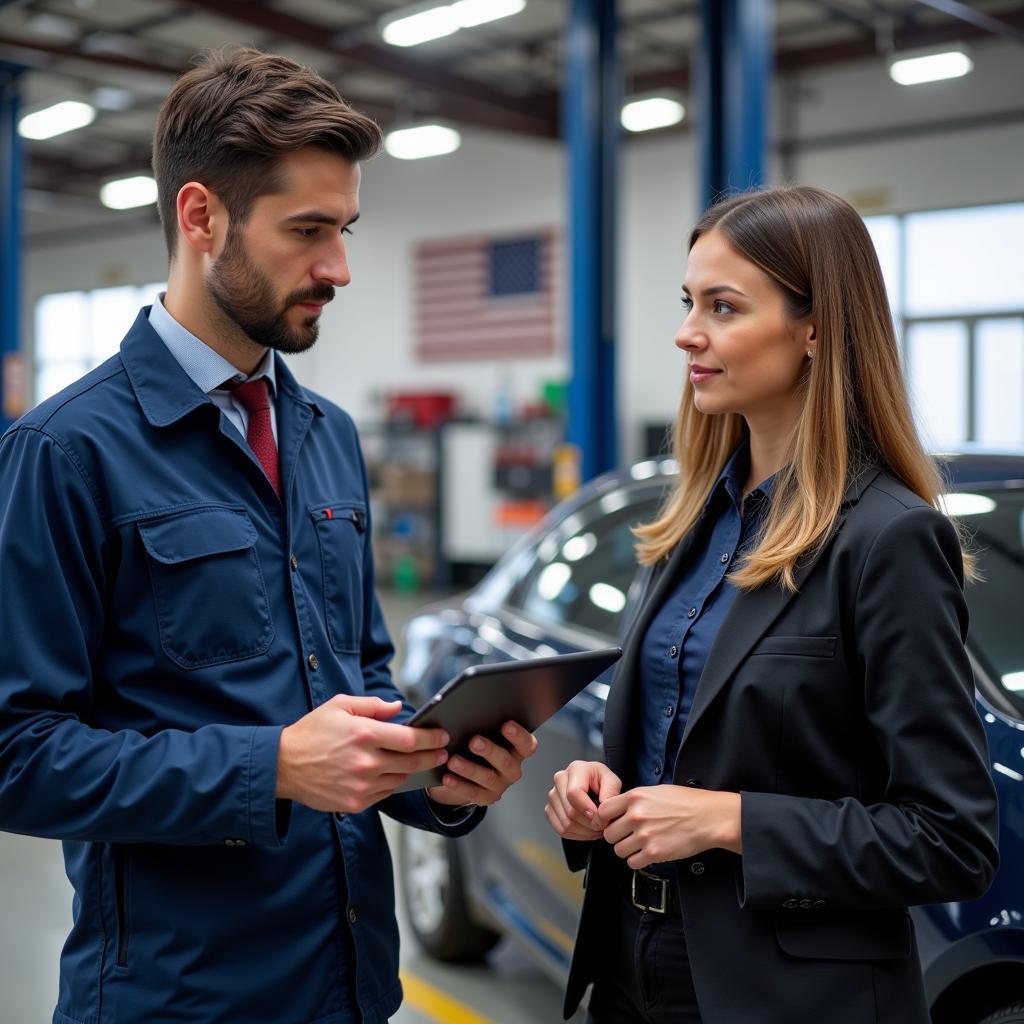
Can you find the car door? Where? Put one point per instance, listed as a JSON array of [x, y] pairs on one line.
[[576, 595]]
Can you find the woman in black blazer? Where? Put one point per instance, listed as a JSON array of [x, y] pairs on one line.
[[792, 752]]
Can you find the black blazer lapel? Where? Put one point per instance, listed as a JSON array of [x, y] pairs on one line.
[[752, 614]]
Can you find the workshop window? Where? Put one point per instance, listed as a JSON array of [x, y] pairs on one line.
[[76, 331]]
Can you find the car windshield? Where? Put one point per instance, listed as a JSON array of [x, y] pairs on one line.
[[994, 520]]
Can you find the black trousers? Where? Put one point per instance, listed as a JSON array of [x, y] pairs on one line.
[[645, 975]]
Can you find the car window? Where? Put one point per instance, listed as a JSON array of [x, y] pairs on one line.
[[584, 567], [995, 522]]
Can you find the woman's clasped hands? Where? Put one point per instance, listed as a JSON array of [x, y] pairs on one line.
[[646, 825]]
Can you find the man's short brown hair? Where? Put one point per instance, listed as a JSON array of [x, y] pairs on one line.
[[233, 114]]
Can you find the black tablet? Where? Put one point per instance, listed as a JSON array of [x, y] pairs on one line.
[[481, 698]]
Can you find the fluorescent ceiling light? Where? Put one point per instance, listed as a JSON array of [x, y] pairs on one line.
[[652, 112], [56, 120], [471, 13], [126, 193], [420, 26], [423, 141], [916, 67], [964, 504], [422, 23]]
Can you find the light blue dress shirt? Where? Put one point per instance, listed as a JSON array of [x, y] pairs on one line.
[[209, 370]]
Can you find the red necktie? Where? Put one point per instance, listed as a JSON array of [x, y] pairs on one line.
[[255, 396]]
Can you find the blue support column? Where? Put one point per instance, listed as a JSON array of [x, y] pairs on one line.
[[734, 67], [11, 158], [591, 128]]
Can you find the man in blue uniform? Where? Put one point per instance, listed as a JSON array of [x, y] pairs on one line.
[[194, 692]]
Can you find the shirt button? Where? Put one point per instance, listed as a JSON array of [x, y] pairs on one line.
[[690, 614], [657, 767], [673, 651], [352, 915], [294, 561], [697, 868], [313, 663], [725, 557], [669, 711]]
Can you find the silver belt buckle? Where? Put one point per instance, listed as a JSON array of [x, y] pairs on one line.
[[662, 907]]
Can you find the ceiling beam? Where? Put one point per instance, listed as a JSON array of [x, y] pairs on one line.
[[839, 53], [465, 99], [997, 26]]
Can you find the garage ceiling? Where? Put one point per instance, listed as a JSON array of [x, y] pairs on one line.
[[122, 55]]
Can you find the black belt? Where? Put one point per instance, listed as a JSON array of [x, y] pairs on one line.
[[652, 893]]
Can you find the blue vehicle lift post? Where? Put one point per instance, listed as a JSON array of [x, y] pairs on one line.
[[734, 69], [11, 167], [591, 112]]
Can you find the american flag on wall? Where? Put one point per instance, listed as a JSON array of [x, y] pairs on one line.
[[488, 297]]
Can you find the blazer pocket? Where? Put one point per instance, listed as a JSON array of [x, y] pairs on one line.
[[879, 936], [210, 597], [799, 646]]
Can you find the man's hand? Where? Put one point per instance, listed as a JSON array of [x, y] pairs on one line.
[[653, 824], [344, 756], [570, 810], [467, 782]]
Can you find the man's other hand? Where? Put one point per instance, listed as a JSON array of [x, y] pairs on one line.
[[468, 782]]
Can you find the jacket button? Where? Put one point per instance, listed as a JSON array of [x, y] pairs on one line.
[[313, 663], [697, 868], [818, 904], [693, 782], [791, 904], [352, 915], [690, 614], [294, 561], [806, 904]]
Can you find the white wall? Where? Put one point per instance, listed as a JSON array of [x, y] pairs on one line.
[[497, 183]]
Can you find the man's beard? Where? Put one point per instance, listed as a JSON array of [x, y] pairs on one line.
[[246, 297]]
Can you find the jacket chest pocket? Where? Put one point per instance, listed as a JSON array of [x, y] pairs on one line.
[[341, 533], [209, 592]]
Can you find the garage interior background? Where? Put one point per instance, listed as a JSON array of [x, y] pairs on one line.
[[908, 157], [937, 169]]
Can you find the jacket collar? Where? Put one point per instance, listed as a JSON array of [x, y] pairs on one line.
[[751, 614], [165, 392]]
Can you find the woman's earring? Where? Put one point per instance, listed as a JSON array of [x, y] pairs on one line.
[[810, 354]]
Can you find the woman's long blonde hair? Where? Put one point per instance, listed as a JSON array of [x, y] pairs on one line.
[[856, 411]]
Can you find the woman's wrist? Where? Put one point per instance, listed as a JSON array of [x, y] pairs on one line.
[[728, 830]]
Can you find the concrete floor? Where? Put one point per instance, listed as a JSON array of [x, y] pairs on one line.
[[35, 898]]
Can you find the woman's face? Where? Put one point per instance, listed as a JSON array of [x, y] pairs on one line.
[[745, 355]]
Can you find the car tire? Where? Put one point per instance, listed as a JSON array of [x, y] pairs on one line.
[[434, 898], [1007, 1015]]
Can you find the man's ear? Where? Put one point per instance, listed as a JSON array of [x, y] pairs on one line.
[[198, 210]]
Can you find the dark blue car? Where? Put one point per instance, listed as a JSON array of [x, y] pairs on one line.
[[571, 585]]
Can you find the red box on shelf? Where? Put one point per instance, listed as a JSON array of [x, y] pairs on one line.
[[424, 408]]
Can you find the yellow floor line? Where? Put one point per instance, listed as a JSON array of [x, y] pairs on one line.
[[438, 1005]]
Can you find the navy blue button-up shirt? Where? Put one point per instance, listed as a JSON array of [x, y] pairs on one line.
[[681, 634]]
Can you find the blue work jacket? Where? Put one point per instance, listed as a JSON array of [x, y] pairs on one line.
[[162, 617]]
